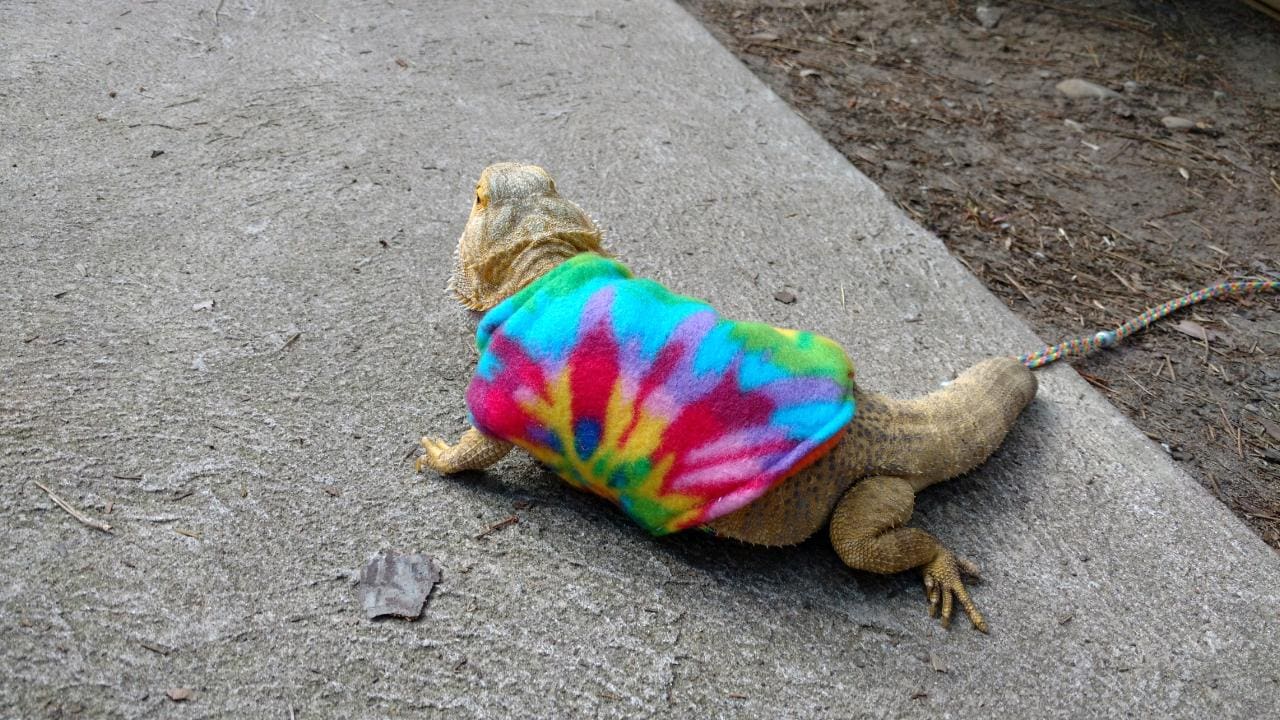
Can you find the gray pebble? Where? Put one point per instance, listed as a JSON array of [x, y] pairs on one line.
[[1077, 88], [988, 17]]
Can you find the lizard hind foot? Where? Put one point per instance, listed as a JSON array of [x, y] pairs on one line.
[[869, 532], [944, 587]]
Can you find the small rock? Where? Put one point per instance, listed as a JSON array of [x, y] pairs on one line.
[[1122, 110], [1131, 86], [988, 17], [1173, 122], [1271, 455], [1076, 88], [179, 694], [203, 305], [785, 297]]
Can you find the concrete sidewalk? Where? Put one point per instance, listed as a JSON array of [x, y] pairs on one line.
[[227, 232]]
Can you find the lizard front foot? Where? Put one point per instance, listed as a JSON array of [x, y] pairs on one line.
[[943, 586], [473, 451], [434, 450]]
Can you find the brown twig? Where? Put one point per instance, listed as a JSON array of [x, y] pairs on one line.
[[1105, 20], [1022, 290], [84, 519], [1232, 432], [507, 522]]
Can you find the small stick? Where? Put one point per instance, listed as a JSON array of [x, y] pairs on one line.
[[511, 520], [1232, 432], [84, 519], [1020, 289], [1135, 382]]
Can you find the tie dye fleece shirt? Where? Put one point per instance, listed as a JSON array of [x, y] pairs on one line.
[[651, 399]]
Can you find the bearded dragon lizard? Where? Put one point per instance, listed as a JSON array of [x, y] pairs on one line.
[[525, 248]]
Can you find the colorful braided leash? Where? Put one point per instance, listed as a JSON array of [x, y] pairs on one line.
[[1089, 344]]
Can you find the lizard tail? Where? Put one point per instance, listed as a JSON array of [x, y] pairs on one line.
[[950, 431]]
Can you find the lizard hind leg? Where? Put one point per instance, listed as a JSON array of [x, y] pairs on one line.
[[868, 531]]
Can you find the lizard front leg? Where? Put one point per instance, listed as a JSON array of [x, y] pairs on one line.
[[867, 531], [474, 451]]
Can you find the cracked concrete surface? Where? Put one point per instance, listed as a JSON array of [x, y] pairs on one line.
[[306, 170]]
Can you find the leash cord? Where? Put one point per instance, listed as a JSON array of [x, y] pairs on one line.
[[1089, 344]]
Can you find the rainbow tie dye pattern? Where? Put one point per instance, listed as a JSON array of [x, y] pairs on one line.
[[651, 399]]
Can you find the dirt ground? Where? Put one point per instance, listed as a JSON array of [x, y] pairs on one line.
[[1078, 212]]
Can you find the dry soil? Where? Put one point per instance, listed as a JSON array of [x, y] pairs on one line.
[[1078, 212]]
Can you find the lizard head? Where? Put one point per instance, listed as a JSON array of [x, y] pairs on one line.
[[519, 229]]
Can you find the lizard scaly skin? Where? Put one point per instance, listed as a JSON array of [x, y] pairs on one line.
[[520, 228]]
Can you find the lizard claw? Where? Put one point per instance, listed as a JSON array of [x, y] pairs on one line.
[[943, 587], [434, 448]]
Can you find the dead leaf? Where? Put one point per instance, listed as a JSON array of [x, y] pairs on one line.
[[402, 62], [1272, 429], [1192, 328], [937, 663], [179, 694], [1198, 331], [397, 585]]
